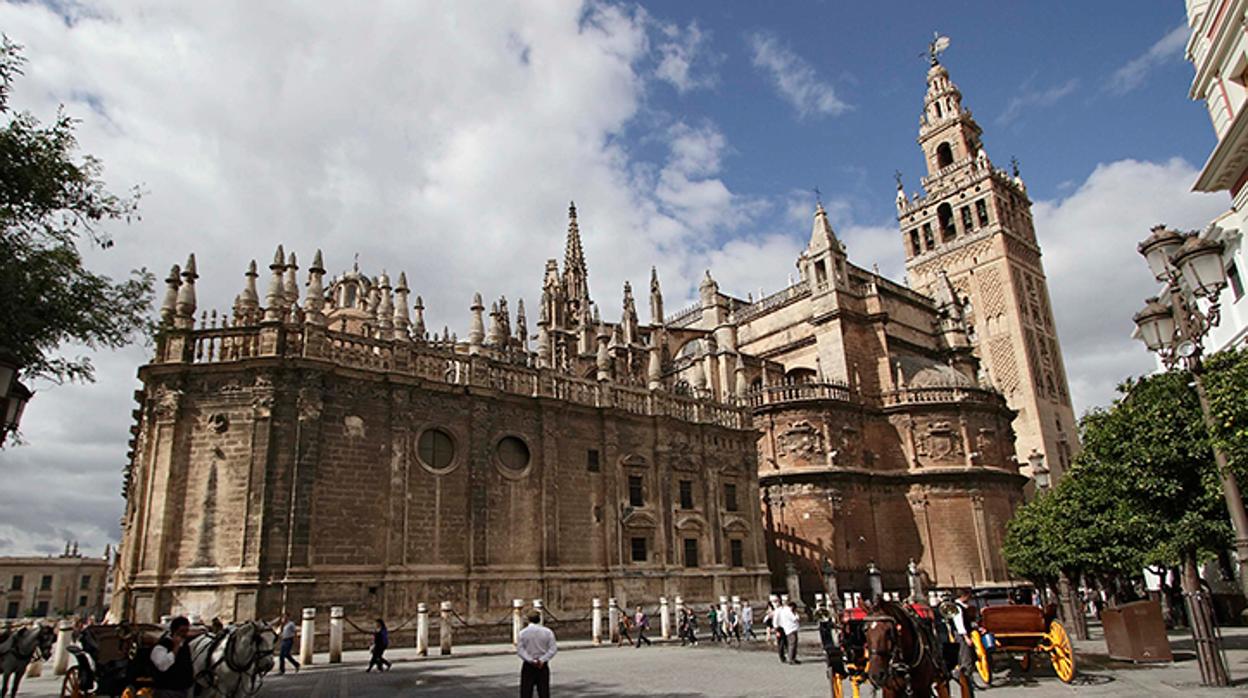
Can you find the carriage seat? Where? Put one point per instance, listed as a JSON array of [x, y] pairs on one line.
[[1016, 618]]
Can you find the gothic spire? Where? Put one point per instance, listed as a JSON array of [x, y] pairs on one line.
[[274, 298], [316, 291], [575, 273], [184, 315], [290, 288], [169, 305]]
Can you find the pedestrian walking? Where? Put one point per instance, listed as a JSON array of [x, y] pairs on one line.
[[693, 627], [642, 621], [175, 673], [621, 628], [287, 637], [769, 622], [712, 617], [381, 640], [787, 625], [747, 619], [536, 647]]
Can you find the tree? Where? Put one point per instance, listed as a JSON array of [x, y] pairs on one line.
[[52, 200], [1226, 382]]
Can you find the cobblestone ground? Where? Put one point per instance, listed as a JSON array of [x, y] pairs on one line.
[[676, 672]]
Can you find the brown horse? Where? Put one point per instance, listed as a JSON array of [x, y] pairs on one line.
[[904, 658], [18, 649]]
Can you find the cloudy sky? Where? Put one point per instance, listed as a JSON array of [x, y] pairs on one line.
[[446, 139]]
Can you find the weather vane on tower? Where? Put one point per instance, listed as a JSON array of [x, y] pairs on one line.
[[938, 45]]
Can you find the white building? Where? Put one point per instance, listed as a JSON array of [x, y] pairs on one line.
[[1218, 49]]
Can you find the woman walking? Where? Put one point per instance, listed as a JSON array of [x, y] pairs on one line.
[[381, 640]]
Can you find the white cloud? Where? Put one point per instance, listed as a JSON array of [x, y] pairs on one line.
[[1135, 71], [794, 78], [686, 61], [1033, 99], [443, 140], [1097, 280]]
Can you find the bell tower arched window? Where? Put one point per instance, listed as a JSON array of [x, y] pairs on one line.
[[944, 155], [944, 215]]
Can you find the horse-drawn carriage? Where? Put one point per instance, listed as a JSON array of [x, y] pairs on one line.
[[893, 646], [112, 660], [1024, 630], [115, 660]]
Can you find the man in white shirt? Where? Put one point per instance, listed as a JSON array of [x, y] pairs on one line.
[[787, 625], [536, 647], [963, 625], [171, 657], [747, 618], [287, 646]]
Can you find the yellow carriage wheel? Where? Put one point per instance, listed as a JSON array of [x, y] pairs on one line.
[[71, 687], [983, 661], [837, 690], [1061, 652]]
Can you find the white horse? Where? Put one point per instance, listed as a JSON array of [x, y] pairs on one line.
[[18, 649], [233, 662]]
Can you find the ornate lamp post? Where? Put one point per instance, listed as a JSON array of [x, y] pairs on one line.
[[1039, 470], [13, 396], [1174, 327]]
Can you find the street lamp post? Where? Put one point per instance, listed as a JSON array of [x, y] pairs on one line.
[[13, 396], [1174, 327], [1039, 470]]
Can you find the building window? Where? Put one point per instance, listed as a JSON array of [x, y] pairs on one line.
[[13, 611], [41, 609], [944, 153], [85, 583], [686, 494], [691, 552], [928, 241], [639, 549], [45, 584], [821, 273], [967, 225], [513, 453], [82, 602], [1237, 284], [730, 496], [916, 248], [944, 216], [736, 552], [981, 211], [16, 585], [436, 449], [591, 461], [635, 493]]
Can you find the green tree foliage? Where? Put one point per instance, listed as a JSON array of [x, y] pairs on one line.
[[1144, 490], [52, 199], [1226, 384]]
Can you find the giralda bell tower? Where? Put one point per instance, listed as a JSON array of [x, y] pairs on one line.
[[973, 224]]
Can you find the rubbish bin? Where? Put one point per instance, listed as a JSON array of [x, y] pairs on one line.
[[1136, 632]]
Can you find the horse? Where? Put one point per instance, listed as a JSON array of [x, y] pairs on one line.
[[18, 649], [233, 662], [903, 654]]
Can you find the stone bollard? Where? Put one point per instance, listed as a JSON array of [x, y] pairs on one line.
[[784, 599], [64, 636], [335, 634], [723, 612], [541, 610], [818, 601], [517, 606], [680, 606], [597, 628], [444, 631], [849, 600], [736, 605], [665, 620], [164, 620], [422, 630], [307, 636], [35, 669], [613, 618]]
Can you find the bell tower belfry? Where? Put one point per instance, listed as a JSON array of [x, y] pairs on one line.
[[972, 224]]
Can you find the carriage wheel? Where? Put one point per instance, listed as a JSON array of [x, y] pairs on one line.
[[1060, 652], [71, 687], [983, 661]]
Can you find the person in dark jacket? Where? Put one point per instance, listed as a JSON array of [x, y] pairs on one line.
[[171, 657], [381, 640]]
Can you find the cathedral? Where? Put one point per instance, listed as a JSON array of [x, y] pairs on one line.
[[324, 447]]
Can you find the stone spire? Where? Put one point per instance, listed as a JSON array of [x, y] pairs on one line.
[[184, 311], [248, 300], [476, 330], [504, 321], [315, 303], [290, 289], [168, 307], [385, 306], [822, 236], [418, 325], [274, 299], [495, 337], [543, 335], [656, 298], [402, 321], [522, 329], [654, 372], [575, 273], [629, 319], [707, 290], [604, 356]]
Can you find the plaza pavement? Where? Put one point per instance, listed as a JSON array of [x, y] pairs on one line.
[[487, 671]]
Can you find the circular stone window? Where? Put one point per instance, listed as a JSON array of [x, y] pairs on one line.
[[436, 450], [513, 454]]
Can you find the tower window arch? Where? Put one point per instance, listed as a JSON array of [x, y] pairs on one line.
[[944, 216], [944, 155]]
